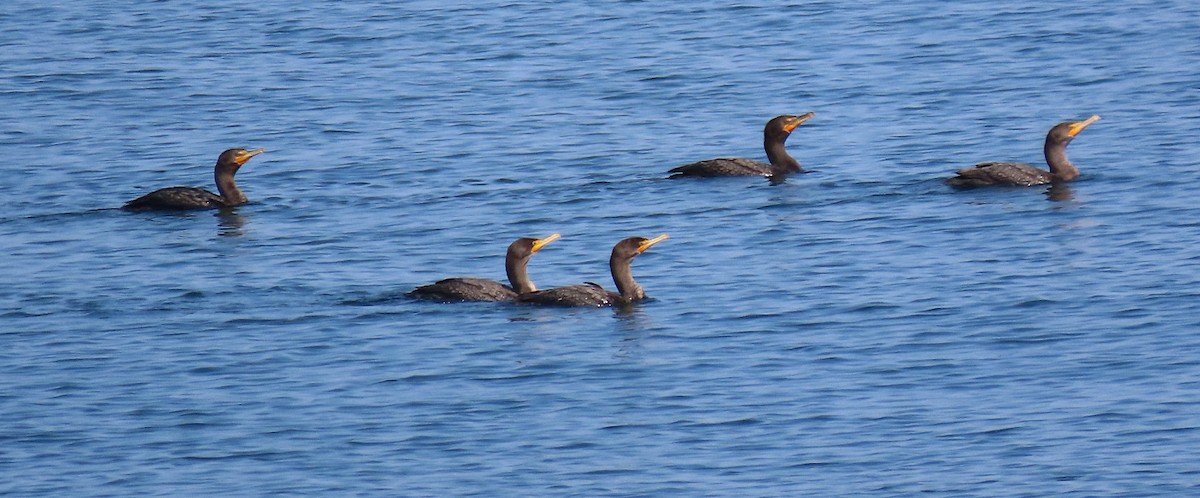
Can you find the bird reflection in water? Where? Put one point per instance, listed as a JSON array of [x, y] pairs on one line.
[[230, 223], [1060, 193]]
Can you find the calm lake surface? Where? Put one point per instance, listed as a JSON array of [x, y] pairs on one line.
[[858, 330]]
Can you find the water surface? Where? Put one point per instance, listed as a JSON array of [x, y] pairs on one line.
[[860, 329]]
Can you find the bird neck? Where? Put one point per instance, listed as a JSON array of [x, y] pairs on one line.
[[518, 277], [1060, 166], [230, 193], [622, 275], [781, 161]]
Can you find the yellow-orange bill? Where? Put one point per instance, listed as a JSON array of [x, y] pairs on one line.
[[1079, 126], [791, 125], [540, 243], [646, 245], [248, 154]]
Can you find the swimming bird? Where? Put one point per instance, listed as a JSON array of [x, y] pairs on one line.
[[781, 164], [482, 289], [182, 198], [1018, 174], [591, 294]]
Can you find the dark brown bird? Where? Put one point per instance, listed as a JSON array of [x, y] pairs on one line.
[[774, 135], [590, 294], [1018, 174], [182, 198], [482, 289]]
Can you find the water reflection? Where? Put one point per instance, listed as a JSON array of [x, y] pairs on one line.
[[630, 315], [782, 179], [1060, 193], [230, 223]]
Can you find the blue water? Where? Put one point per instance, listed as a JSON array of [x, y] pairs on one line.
[[858, 330]]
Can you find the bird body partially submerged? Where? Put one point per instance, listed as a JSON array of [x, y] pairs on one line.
[[1000, 173], [724, 166], [590, 294], [185, 198], [1018, 174], [176, 199], [775, 133], [464, 289], [585, 294], [481, 289]]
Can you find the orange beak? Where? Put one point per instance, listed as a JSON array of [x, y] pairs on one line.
[[797, 121], [646, 245], [1079, 126], [540, 243], [245, 156]]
